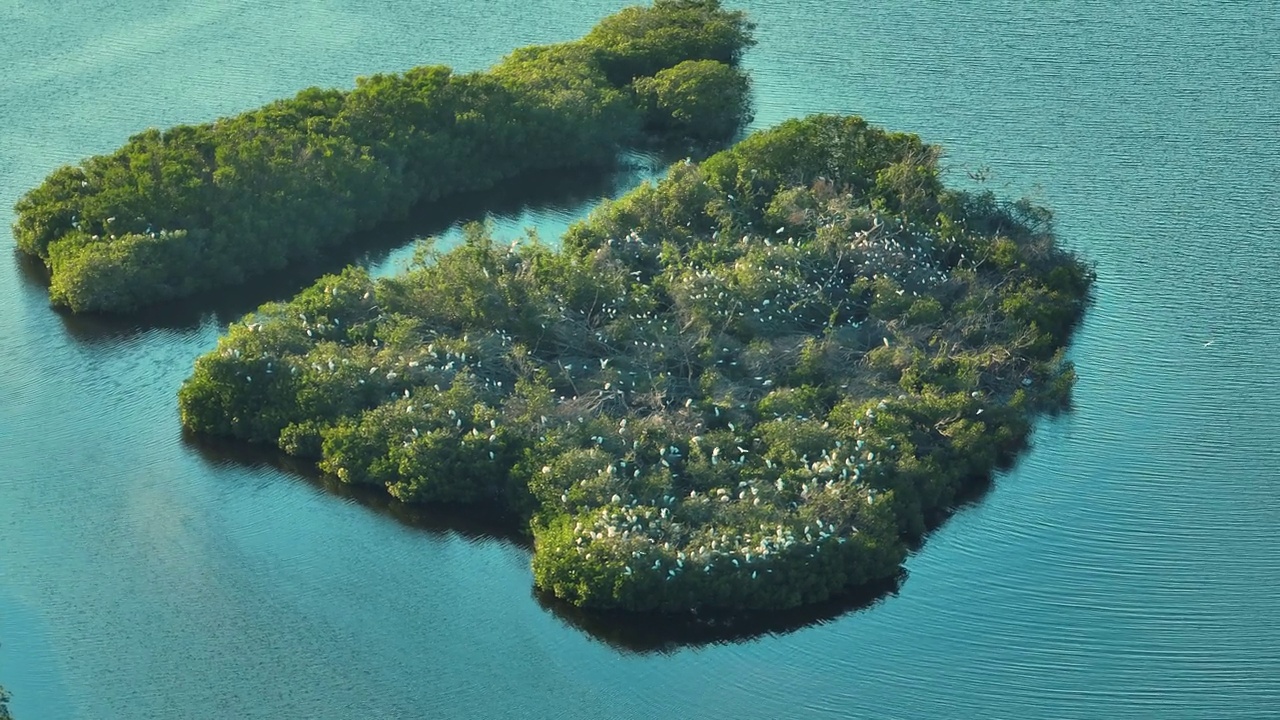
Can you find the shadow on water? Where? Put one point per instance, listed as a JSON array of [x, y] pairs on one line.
[[467, 521], [656, 633], [564, 191], [31, 270]]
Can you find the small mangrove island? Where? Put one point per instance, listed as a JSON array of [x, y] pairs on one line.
[[199, 207], [749, 386]]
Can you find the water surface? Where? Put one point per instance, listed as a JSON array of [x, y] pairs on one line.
[[1125, 568]]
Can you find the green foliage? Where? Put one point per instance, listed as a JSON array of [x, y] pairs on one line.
[[197, 207], [698, 98], [638, 42], [689, 409], [843, 154], [924, 311]]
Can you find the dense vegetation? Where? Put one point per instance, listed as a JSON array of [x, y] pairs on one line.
[[197, 207], [4, 705], [748, 386]]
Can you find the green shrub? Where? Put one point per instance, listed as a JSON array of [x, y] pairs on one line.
[[703, 99], [639, 42]]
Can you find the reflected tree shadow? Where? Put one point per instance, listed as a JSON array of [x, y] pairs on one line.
[[570, 192], [31, 270], [464, 520], [644, 634]]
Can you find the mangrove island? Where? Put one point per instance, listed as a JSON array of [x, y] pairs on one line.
[[199, 207], [749, 386]]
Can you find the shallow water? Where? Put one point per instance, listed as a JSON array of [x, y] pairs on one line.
[[1125, 568]]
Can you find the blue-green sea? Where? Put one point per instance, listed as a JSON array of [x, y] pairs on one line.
[[1127, 567]]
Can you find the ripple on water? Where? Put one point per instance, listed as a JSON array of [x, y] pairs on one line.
[[1123, 569]]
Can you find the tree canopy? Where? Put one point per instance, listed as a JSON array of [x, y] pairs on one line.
[[748, 386], [196, 207]]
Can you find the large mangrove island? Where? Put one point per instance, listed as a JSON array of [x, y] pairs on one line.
[[751, 385], [199, 207]]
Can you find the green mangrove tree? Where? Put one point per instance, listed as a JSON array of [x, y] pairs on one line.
[[202, 206]]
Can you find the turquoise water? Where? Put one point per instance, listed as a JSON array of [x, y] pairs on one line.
[[1125, 568]]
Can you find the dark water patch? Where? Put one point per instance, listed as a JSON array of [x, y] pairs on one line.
[[642, 634], [468, 522], [31, 270]]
